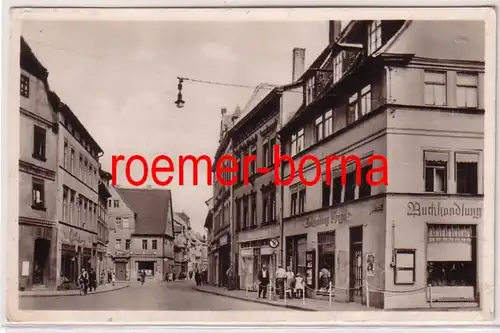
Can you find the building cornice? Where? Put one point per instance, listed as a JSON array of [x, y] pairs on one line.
[[36, 170]]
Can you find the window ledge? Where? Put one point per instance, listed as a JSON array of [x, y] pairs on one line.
[[40, 208], [38, 157]]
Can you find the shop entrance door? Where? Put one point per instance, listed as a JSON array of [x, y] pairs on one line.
[[121, 271], [40, 259], [356, 264]]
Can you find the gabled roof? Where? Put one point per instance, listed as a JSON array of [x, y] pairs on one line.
[[30, 63], [151, 207]]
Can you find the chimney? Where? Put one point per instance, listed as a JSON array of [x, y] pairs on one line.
[[334, 30], [299, 59]]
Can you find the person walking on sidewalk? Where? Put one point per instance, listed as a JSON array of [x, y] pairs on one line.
[[113, 277], [280, 281], [263, 281], [83, 281]]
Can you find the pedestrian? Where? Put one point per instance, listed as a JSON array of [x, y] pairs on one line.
[[92, 280], [290, 282], [263, 281], [299, 286], [113, 278], [197, 278], [109, 276], [280, 281], [83, 281], [229, 275], [102, 277]]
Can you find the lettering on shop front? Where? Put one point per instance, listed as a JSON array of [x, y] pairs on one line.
[[334, 218], [439, 210]]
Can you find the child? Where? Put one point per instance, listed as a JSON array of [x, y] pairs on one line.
[[299, 285]]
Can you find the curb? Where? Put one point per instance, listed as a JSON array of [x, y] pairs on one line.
[[76, 294], [294, 307]]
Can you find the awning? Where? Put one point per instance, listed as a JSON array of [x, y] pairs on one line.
[[467, 157], [436, 156], [449, 251]]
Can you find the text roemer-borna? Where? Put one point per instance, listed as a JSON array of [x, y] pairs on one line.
[[227, 164]]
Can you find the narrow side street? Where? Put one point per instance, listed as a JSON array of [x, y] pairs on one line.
[[152, 296]]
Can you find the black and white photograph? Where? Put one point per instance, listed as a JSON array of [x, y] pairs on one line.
[[309, 165]]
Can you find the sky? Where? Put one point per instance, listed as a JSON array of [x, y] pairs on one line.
[[120, 79]]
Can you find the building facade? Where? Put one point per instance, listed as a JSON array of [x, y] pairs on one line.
[[181, 243], [102, 224], [152, 238], [37, 176], [387, 93]]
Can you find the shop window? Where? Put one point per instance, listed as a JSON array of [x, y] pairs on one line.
[[436, 165], [404, 266], [293, 206], [118, 244], [467, 90], [144, 244], [365, 189], [302, 201], [38, 194], [154, 244], [451, 255], [297, 144], [39, 142], [25, 86], [435, 88], [326, 259], [325, 194], [467, 173], [374, 36]]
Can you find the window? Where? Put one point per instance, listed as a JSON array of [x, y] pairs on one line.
[[118, 222], [436, 171], [435, 88], [72, 206], [84, 175], [253, 164], [118, 244], [125, 222], [25, 86], [272, 204], [116, 203], [467, 90], [302, 201], [365, 189], [297, 142], [144, 244], [39, 142], [467, 173], [272, 143], [265, 207], [72, 161], [324, 126], [265, 154], [38, 196], [374, 36], [110, 203], [79, 211], [91, 175], [293, 206], [404, 266], [127, 244], [154, 244], [328, 123], [352, 109], [253, 199], [65, 204], [319, 128], [350, 184], [337, 66], [66, 155], [325, 194], [80, 170], [245, 213], [366, 100], [337, 187]]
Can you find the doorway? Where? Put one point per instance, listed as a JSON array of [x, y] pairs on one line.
[[121, 271], [41, 253], [356, 264]]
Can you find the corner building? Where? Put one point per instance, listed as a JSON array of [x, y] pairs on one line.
[[408, 91]]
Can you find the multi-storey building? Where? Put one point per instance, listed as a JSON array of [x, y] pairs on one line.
[[102, 226], [211, 265], [222, 245], [77, 193], [181, 243], [152, 239], [37, 175], [412, 92]]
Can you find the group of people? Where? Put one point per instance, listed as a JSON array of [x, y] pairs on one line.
[[286, 282], [87, 281], [201, 277]]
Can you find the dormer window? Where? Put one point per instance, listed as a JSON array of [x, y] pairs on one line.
[[374, 36]]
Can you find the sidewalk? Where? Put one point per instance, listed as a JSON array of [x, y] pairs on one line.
[[297, 304], [52, 293]]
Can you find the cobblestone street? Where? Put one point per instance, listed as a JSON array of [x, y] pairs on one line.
[[151, 296]]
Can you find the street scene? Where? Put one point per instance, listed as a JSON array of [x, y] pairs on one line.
[[265, 214]]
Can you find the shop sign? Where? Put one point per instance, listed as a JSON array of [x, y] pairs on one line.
[[335, 217], [223, 240], [439, 209], [274, 243], [76, 237]]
